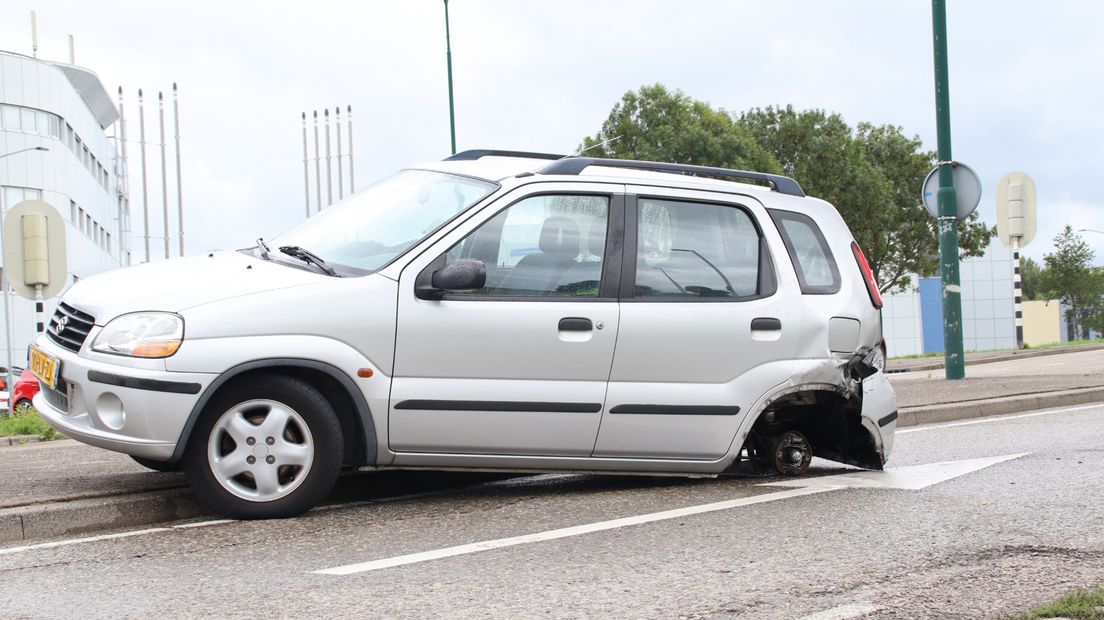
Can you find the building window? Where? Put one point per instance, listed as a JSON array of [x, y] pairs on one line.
[[9, 117], [16, 195], [73, 211], [28, 119]]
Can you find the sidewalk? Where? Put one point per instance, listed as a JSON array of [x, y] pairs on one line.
[[62, 488]]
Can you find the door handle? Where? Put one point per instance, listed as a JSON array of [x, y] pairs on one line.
[[575, 324], [766, 324]]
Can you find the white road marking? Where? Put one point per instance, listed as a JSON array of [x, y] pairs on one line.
[[843, 612], [565, 532], [77, 541], [911, 478], [992, 419], [188, 526]]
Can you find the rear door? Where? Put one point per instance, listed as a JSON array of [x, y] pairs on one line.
[[706, 327], [518, 367]]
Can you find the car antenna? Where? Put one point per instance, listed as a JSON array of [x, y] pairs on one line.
[[593, 146]]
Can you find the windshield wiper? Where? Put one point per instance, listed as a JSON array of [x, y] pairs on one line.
[[264, 248], [307, 256]]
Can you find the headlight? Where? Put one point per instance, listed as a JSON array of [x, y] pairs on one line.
[[142, 334]]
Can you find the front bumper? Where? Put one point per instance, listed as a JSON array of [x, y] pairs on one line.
[[140, 412]]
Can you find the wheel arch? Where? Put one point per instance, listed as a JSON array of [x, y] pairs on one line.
[[830, 416], [348, 401]]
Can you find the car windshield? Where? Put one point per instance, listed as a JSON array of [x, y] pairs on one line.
[[367, 230]]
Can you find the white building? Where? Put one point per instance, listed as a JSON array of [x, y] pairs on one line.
[[913, 320], [65, 109]]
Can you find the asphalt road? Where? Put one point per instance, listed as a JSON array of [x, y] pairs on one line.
[[986, 543]]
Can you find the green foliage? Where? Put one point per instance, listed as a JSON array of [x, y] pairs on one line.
[[1070, 277], [871, 174], [655, 124], [26, 423], [1031, 278], [1082, 604]]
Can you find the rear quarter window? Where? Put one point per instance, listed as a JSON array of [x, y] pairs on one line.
[[812, 258]]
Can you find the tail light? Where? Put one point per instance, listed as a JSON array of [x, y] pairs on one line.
[[864, 267]]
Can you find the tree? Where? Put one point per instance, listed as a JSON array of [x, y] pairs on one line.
[[1031, 278], [656, 124], [873, 176], [1070, 277]]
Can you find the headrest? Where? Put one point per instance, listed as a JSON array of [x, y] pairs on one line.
[[560, 235]]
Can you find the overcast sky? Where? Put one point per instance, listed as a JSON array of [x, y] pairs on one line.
[[1027, 90]]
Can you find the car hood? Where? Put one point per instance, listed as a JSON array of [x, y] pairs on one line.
[[177, 284]]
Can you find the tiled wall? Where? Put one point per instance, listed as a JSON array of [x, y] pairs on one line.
[[901, 324], [988, 317], [987, 312]]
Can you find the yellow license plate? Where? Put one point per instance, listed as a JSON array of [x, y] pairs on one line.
[[45, 367]]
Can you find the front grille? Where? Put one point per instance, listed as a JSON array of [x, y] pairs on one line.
[[69, 327]]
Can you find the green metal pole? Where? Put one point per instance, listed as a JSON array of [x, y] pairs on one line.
[[448, 57], [948, 222]]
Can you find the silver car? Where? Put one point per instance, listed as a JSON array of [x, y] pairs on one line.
[[496, 310]]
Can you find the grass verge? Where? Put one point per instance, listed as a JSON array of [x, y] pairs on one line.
[[1082, 604], [26, 423]]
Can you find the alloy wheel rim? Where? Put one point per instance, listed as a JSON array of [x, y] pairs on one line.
[[260, 450]]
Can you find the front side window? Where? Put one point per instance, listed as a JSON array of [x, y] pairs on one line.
[[369, 229], [543, 246], [689, 250]]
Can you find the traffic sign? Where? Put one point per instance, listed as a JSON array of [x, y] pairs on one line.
[[967, 187], [1016, 208], [34, 249]]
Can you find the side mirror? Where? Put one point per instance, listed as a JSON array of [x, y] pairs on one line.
[[464, 274]]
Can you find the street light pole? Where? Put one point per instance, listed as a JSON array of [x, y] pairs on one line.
[[954, 361], [448, 59], [29, 148]]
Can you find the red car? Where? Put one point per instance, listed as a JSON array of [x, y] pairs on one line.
[[25, 389]]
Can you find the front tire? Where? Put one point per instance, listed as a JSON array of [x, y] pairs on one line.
[[268, 447]]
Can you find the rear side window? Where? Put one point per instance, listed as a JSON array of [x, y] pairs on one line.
[[816, 267], [689, 250]]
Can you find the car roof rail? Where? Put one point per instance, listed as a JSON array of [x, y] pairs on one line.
[[478, 153], [575, 165]]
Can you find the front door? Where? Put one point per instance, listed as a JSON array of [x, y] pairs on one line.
[[520, 366]]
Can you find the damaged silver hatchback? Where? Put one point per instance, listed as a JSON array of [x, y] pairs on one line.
[[496, 310]]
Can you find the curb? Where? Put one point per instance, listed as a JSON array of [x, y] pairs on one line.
[[82, 516], [19, 440], [948, 412], [1016, 355], [94, 514]]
